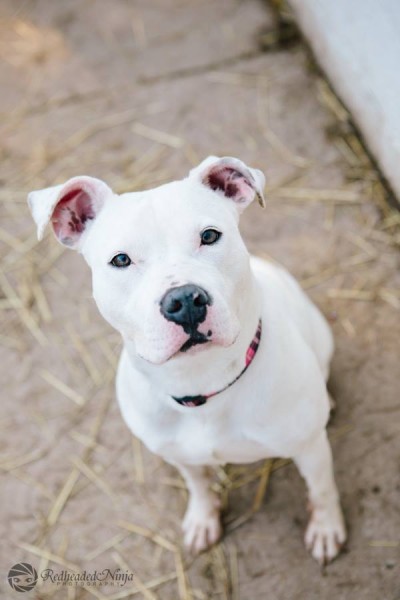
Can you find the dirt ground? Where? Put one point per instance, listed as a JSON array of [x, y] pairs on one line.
[[136, 93]]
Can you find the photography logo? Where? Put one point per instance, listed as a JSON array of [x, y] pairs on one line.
[[22, 577]]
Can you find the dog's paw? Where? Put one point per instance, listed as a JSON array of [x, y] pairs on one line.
[[202, 526], [325, 534]]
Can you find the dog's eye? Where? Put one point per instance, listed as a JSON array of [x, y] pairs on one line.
[[121, 260], [209, 236]]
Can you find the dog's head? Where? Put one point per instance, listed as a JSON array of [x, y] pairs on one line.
[[169, 266]]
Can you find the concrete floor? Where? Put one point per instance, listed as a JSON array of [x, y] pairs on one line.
[[87, 89]]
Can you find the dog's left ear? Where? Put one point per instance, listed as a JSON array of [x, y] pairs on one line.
[[231, 177]]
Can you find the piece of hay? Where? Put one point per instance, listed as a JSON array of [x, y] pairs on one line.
[[62, 387], [94, 477], [62, 497], [156, 538], [262, 486], [155, 135]]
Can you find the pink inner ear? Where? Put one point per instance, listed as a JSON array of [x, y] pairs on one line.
[[70, 216], [231, 182]]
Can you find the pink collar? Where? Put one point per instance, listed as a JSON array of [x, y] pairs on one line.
[[250, 354]]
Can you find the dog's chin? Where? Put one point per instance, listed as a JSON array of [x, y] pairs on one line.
[[191, 347], [162, 359]]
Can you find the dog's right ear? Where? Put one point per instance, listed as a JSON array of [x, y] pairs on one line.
[[70, 207]]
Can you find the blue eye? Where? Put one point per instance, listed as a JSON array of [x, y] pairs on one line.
[[209, 236], [121, 260]]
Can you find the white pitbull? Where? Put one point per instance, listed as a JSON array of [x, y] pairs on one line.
[[225, 359]]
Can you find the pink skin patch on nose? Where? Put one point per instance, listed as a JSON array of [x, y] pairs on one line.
[[71, 214]]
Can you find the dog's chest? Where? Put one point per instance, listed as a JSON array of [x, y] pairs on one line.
[[222, 431], [198, 440]]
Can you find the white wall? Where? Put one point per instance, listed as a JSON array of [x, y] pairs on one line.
[[357, 43]]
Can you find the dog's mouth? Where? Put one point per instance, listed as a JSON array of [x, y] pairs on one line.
[[176, 343], [192, 345], [195, 339]]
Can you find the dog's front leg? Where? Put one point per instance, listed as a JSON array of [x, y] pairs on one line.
[[201, 524], [326, 532]]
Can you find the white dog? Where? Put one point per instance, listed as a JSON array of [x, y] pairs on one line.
[[225, 359]]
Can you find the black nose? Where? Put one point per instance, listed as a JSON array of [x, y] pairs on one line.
[[185, 305]]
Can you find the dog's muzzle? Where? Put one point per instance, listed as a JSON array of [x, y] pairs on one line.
[[186, 306]]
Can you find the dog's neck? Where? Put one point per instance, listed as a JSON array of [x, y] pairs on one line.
[[211, 367]]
